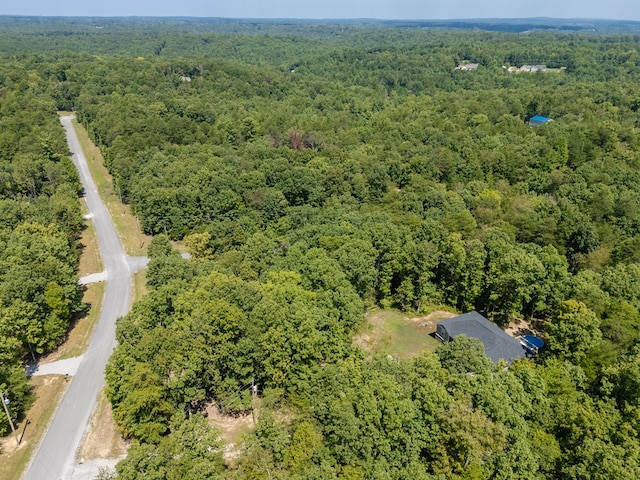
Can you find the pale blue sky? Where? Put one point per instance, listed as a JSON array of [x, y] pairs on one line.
[[384, 9]]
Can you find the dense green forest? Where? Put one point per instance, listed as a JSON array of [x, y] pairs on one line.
[[40, 223], [314, 175]]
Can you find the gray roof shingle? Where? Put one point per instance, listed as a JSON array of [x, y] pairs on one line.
[[497, 343]]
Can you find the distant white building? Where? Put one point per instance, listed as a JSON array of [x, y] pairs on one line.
[[468, 66], [533, 68]]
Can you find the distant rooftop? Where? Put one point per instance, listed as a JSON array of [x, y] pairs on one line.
[[539, 120], [468, 66]]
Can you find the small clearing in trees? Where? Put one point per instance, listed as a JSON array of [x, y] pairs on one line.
[[231, 429], [393, 333]]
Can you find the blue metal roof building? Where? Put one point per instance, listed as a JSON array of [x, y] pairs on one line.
[[538, 120]]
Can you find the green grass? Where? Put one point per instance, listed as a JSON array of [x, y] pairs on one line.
[[393, 333], [407, 339], [139, 285]]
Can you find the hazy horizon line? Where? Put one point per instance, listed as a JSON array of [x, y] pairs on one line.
[[377, 19]]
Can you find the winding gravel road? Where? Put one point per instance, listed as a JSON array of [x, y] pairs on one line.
[[55, 457]]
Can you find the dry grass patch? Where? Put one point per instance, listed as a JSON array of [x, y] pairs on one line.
[[47, 392], [133, 240], [90, 259], [393, 333], [80, 333], [139, 285], [102, 440]]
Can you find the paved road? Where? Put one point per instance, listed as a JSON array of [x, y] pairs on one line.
[[55, 458]]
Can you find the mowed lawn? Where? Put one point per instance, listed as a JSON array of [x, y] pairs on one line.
[[394, 333]]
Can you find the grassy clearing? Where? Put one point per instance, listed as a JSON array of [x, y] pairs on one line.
[[133, 240], [393, 333], [47, 392], [179, 245]]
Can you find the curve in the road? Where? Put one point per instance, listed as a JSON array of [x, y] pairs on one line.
[[55, 457]]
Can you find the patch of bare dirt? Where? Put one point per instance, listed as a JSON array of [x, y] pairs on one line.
[[429, 321], [521, 327], [231, 429], [102, 440], [9, 444]]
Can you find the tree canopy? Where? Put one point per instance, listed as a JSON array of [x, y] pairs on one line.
[[40, 224], [314, 172]]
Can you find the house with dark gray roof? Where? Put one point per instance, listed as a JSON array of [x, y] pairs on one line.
[[497, 344]]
